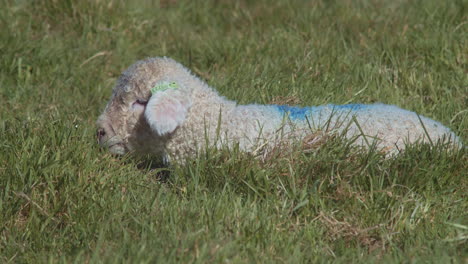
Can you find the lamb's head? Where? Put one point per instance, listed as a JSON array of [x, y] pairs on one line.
[[149, 102]]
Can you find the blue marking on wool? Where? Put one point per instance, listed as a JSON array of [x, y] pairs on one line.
[[293, 111], [352, 107], [301, 113]]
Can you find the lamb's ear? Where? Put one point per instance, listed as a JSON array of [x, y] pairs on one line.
[[167, 109]]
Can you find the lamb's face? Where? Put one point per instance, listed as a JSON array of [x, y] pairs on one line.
[[138, 120], [122, 126]]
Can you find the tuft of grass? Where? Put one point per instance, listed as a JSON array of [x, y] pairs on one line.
[[64, 200]]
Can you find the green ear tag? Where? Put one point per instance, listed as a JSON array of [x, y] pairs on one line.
[[163, 86]]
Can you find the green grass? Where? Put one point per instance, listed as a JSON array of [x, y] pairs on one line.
[[64, 200]]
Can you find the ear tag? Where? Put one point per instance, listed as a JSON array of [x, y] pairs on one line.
[[163, 86]]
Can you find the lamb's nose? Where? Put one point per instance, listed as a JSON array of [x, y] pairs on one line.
[[100, 133]]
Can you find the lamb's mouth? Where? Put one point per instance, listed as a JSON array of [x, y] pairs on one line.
[[118, 148]]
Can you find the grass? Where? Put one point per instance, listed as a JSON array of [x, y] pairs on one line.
[[64, 200]]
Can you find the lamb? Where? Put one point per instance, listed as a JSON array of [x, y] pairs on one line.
[[158, 107]]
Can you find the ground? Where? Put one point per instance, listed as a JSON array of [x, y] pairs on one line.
[[62, 199]]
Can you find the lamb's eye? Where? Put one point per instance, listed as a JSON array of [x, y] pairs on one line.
[[141, 102]]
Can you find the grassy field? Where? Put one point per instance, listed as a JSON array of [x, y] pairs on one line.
[[64, 200]]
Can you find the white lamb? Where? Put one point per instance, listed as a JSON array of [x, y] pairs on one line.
[[158, 107]]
